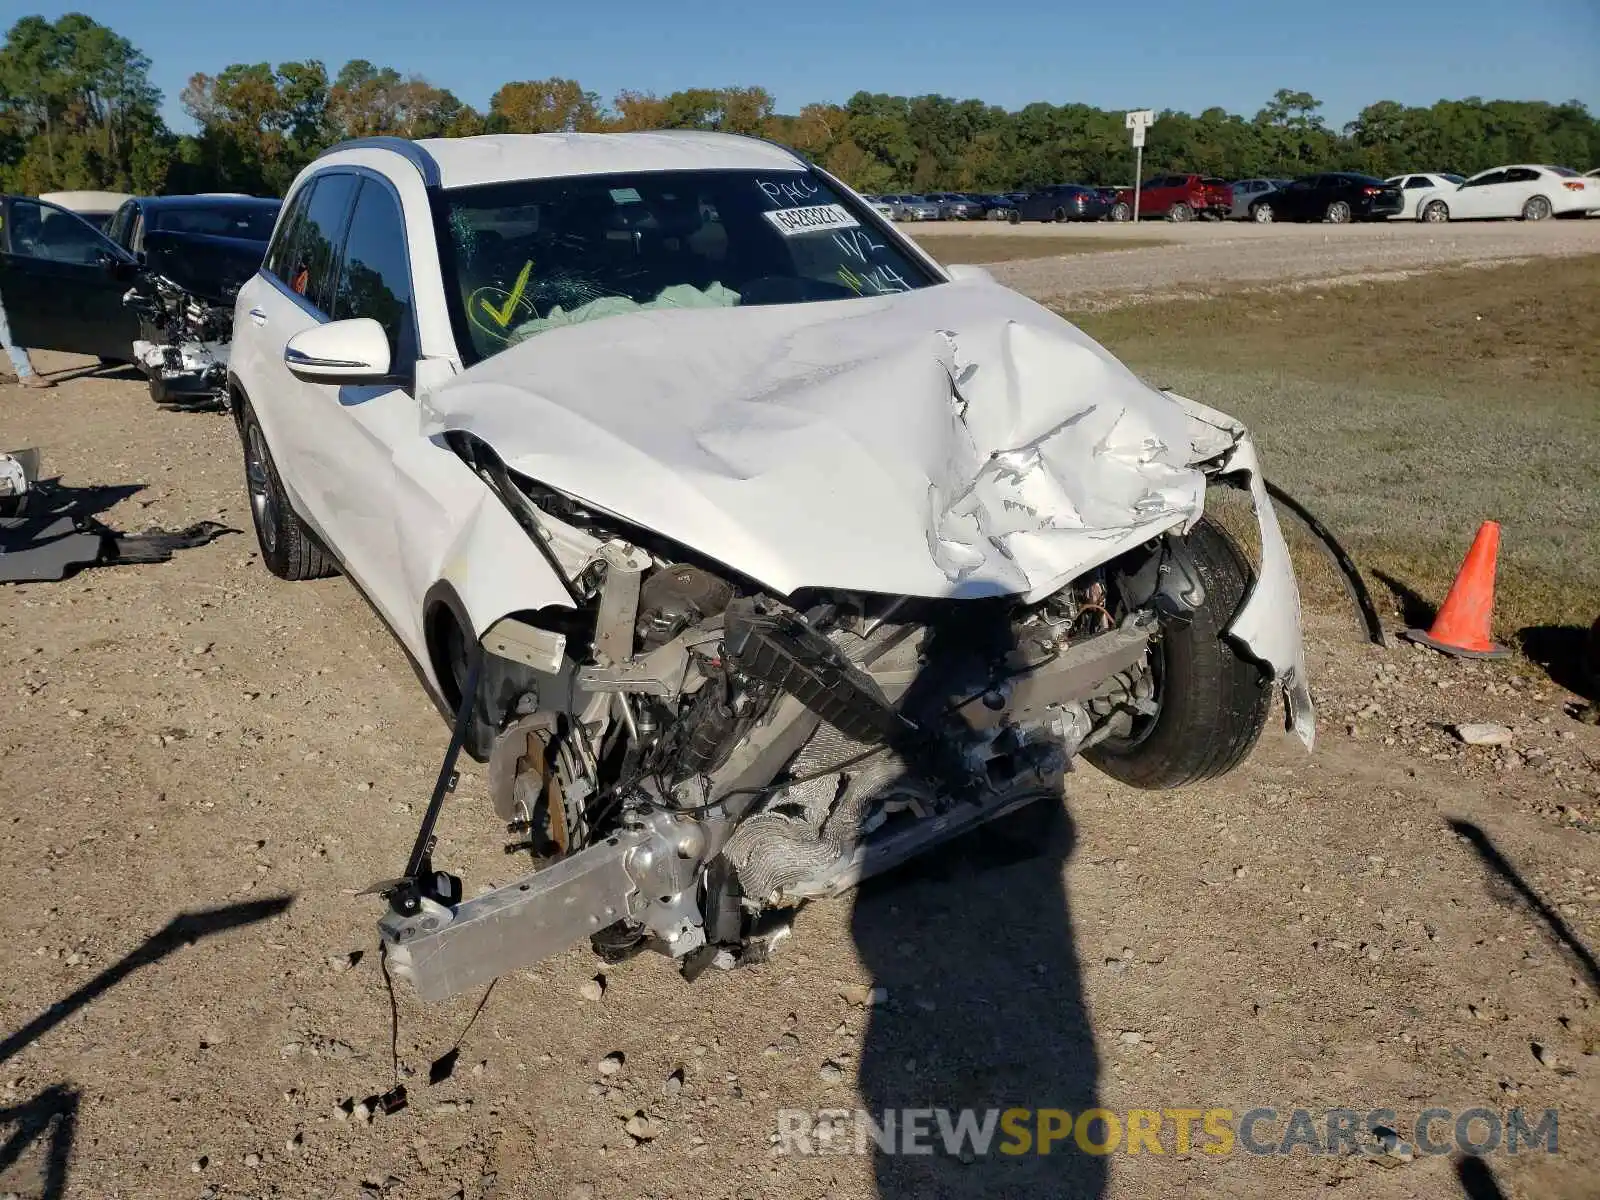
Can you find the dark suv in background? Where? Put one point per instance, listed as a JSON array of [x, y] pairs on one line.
[[1064, 202]]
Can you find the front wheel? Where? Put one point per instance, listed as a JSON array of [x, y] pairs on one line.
[[288, 547], [1211, 705], [1121, 212]]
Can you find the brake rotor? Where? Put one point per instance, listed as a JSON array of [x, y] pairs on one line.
[[532, 770]]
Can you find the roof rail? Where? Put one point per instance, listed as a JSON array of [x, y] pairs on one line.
[[404, 147]]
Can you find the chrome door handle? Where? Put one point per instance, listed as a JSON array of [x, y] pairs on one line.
[[258, 315]]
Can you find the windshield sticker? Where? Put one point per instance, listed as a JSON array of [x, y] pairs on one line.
[[626, 196], [791, 222], [789, 192]]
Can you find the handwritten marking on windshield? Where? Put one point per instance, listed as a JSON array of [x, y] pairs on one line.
[[788, 191], [857, 243], [502, 315], [880, 281]]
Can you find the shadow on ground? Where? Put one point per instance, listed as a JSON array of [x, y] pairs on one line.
[[1563, 651], [1508, 875], [985, 1008], [50, 1119]]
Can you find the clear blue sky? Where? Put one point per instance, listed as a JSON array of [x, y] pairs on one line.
[[1186, 54]]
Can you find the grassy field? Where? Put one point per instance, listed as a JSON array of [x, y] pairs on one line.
[[1405, 413], [1008, 247]]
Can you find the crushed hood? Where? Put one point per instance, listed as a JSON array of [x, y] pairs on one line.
[[957, 440]]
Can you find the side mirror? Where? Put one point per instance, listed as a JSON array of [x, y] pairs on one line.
[[968, 273], [353, 351]]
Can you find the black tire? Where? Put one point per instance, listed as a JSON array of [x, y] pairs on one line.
[[1180, 212], [1013, 216], [288, 548], [158, 391], [1213, 704], [1059, 216]]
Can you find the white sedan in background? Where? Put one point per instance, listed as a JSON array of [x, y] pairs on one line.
[[1413, 186], [1530, 192]]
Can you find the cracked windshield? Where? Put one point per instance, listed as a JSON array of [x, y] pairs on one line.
[[534, 255]]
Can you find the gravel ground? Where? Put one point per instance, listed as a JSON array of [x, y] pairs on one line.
[[1205, 257], [1309, 931]]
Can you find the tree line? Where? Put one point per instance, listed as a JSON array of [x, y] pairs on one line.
[[78, 111]]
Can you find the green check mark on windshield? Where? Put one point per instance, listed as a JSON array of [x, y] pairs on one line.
[[502, 316]]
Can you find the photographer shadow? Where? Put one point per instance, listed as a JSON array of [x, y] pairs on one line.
[[51, 1117], [985, 1010]]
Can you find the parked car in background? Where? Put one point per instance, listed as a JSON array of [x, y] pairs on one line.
[[1594, 174], [1177, 198], [196, 252], [94, 207], [883, 207], [916, 208], [1063, 202], [1335, 196], [958, 207], [1531, 192], [1247, 191], [1414, 185], [62, 282], [998, 206]]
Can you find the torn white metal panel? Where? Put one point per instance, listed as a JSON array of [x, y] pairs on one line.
[[954, 440], [1268, 623]]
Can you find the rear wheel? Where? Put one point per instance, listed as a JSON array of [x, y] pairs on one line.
[[1339, 213], [1013, 216], [1180, 212], [1121, 211], [288, 548], [1059, 216], [1211, 705], [1536, 209], [1262, 214]]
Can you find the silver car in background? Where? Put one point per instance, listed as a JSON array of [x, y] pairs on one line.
[[1247, 191], [915, 208]]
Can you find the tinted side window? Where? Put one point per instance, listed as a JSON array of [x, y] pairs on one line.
[[311, 253], [375, 278], [1485, 180], [281, 249], [1521, 175], [45, 231]]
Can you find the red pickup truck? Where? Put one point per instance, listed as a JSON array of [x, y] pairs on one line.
[[1177, 198]]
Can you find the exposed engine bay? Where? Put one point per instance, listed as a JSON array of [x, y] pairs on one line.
[[183, 342], [687, 756]]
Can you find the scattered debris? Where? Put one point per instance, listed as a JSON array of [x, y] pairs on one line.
[[1483, 733], [612, 1063], [593, 989]]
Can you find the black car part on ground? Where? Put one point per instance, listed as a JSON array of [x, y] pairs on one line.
[[1349, 574], [45, 536]]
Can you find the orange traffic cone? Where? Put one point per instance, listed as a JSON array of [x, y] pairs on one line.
[[1462, 627]]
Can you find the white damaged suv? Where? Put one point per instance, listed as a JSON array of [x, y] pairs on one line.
[[753, 550]]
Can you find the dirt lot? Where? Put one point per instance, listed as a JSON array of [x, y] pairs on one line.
[[1396, 921]]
